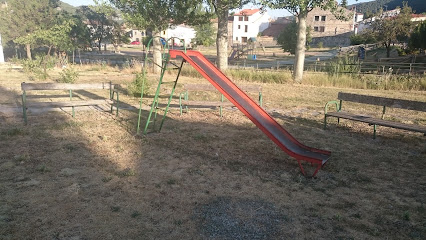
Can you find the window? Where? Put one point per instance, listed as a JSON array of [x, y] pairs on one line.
[[240, 18], [236, 38], [316, 18], [246, 29], [244, 39], [323, 18], [315, 29], [322, 29], [239, 26], [245, 18]]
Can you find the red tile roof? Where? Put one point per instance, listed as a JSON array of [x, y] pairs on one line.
[[246, 12]]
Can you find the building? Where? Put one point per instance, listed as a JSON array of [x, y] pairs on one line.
[[328, 30], [248, 23], [136, 35], [365, 24], [325, 24]]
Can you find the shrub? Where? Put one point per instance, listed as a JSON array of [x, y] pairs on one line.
[[135, 87], [347, 65], [320, 45], [68, 75]]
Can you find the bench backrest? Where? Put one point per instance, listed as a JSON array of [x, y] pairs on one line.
[[383, 101], [65, 86], [208, 87]]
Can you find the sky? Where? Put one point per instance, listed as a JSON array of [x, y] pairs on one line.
[[272, 13]]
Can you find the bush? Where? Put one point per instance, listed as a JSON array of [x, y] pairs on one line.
[[68, 75], [135, 87], [320, 45], [39, 66], [346, 65]]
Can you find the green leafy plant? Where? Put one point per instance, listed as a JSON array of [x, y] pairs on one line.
[[135, 87], [68, 75]]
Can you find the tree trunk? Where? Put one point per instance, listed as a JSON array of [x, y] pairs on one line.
[[299, 59], [29, 51], [222, 37], [156, 51], [388, 49]]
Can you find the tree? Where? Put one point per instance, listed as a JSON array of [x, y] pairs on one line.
[[344, 3], [57, 37], [119, 36], [101, 17], [389, 30], [221, 9], [300, 9], [23, 17], [288, 37], [204, 34], [418, 36], [157, 15]]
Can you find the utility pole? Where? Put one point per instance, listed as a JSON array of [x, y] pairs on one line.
[[1, 52]]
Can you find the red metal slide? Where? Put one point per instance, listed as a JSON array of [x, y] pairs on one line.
[[253, 111]]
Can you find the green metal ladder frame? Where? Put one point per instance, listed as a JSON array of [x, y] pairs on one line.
[[155, 103]]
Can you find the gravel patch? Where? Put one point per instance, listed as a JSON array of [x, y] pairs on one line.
[[230, 218]]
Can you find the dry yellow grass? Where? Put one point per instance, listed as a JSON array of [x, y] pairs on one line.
[[92, 178]]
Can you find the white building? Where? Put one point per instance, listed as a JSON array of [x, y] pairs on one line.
[[182, 31], [1, 52], [248, 23]]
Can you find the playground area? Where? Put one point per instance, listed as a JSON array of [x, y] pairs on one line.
[[205, 176]]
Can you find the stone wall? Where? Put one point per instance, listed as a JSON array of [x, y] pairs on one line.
[[341, 40]]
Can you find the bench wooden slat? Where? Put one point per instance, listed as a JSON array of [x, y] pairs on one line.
[[64, 86], [382, 101], [69, 103], [208, 87], [378, 121], [206, 103]]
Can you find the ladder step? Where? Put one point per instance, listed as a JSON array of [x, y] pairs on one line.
[[168, 82]]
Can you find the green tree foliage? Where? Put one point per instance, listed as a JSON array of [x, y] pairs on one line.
[[57, 37], [288, 37], [101, 17], [204, 34], [389, 30], [157, 15], [344, 3], [300, 9], [372, 7], [418, 37], [23, 17], [362, 39], [119, 36]]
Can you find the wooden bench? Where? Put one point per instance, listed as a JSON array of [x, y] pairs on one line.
[[71, 103], [184, 100], [378, 101]]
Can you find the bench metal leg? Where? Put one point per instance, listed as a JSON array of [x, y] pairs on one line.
[[375, 130], [24, 107], [325, 122]]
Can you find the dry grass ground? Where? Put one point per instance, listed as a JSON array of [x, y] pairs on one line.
[[206, 177]]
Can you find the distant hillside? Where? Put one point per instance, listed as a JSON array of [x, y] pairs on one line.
[[67, 7], [418, 6]]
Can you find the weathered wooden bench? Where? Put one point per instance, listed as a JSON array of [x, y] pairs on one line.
[[184, 100], [72, 102], [378, 101]]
